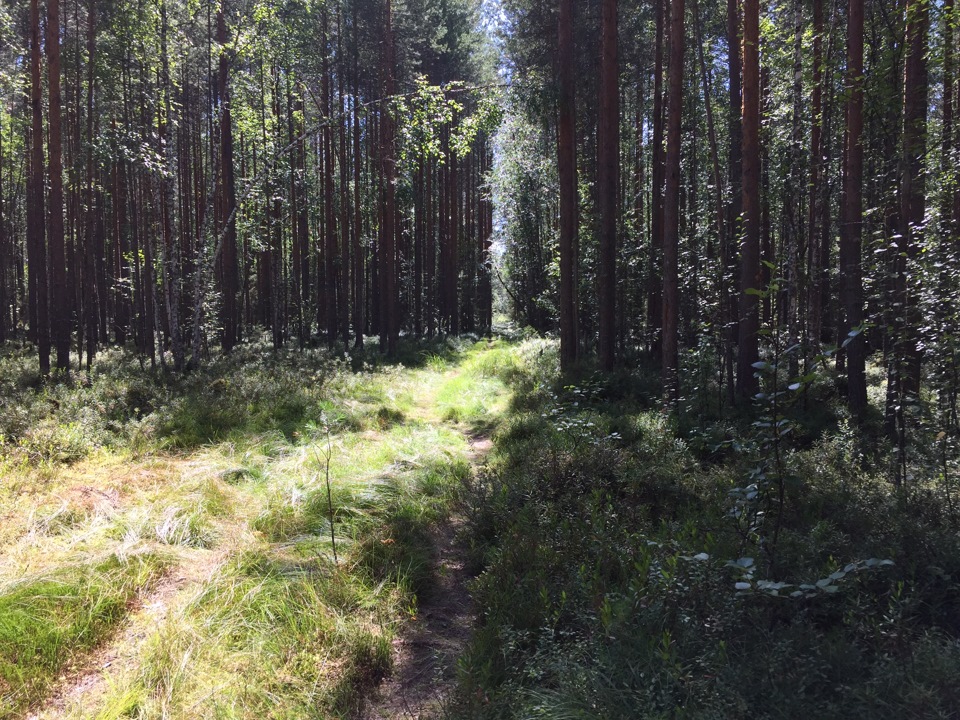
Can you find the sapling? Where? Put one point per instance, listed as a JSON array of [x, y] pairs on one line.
[[327, 455]]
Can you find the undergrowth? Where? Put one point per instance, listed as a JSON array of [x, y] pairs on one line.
[[627, 564]]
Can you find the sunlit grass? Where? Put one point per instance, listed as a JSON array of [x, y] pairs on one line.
[[48, 620], [224, 475]]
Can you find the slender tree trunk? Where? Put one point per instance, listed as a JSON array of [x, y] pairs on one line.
[[122, 297], [227, 194], [486, 238], [431, 252], [171, 250], [816, 192], [36, 226], [331, 251], [608, 163], [730, 275], [567, 173], [912, 194], [418, 203], [654, 280], [452, 266], [851, 284], [793, 202], [949, 158], [59, 298], [389, 333], [671, 208], [91, 255], [345, 267], [711, 129], [750, 277], [359, 294]]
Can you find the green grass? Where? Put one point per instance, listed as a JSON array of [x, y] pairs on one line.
[[48, 621], [223, 474]]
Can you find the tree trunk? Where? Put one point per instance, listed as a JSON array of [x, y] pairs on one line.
[[359, 295], [912, 194], [816, 192], [851, 283], [567, 173], [671, 208], [390, 332], [654, 280], [171, 251], [608, 164], [227, 195], [59, 298], [91, 256], [750, 277], [36, 227]]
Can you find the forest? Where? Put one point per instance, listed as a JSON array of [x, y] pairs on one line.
[[493, 359]]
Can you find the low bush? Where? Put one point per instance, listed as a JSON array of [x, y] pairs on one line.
[[628, 566]]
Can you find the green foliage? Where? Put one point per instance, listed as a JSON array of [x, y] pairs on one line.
[[612, 581]]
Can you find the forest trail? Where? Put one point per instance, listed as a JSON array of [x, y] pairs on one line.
[[427, 650], [189, 639]]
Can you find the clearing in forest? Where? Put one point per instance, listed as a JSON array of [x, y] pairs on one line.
[[177, 577]]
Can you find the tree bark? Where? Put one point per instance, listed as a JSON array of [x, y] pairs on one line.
[[567, 173], [912, 193], [608, 164], [851, 283], [750, 276], [36, 227], [59, 298], [227, 194], [671, 209], [389, 333], [654, 280]]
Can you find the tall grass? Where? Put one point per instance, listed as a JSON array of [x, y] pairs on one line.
[[47, 621]]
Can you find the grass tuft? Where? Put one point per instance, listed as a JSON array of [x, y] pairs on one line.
[[45, 622]]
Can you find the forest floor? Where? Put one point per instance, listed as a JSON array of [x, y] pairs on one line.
[[200, 580], [510, 543]]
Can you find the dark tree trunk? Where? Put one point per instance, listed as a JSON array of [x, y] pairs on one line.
[[91, 255], [851, 283], [608, 164], [389, 332], [59, 297], [750, 277], [227, 196], [171, 248], [359, 294], [654, 279], [912, 197], [730, 276], [36, 227], [671, 208], [567, 173], [816, 192]]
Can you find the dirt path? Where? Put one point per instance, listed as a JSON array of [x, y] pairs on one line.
[[88, 678], [427, 650]]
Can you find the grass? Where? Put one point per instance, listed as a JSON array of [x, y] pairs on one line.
[[218, 481], [45, 622], [185, 523]]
